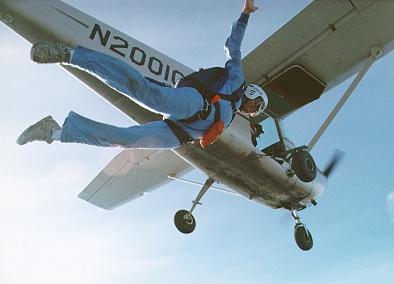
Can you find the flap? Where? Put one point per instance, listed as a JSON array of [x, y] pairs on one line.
[[130, 174]]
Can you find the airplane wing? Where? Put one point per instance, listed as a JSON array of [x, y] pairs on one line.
[[54, 20], [131, 174], [323, 45]]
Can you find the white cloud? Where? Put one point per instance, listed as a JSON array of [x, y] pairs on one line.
[[390, 205]]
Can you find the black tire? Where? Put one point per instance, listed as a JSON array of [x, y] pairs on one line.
[[303, 237], [184, 221], [304, 166]]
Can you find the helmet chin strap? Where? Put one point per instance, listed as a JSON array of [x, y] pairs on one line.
[[244, 113], [244, 100]]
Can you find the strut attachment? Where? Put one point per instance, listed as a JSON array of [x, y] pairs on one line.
[[376, 52], [183, 219], [203, 190]]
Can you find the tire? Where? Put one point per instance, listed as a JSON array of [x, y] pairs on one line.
[[303, 237], [184, 222], [304, 166]]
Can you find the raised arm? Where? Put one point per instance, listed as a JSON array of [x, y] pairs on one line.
[[233, 43]]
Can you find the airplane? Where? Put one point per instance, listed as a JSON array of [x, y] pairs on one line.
[[325, 44]]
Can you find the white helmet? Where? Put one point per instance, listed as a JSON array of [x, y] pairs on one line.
[[254, 92]]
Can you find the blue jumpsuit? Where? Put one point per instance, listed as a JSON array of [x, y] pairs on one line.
[[173, 103]]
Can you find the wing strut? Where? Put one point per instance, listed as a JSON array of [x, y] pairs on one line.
[[200, 184], [376, 52], [204, 189]]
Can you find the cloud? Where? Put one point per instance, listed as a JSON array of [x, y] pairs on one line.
[[390, 205]]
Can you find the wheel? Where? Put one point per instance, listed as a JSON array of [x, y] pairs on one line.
[[303, 237], [304, 166], [184, 221]]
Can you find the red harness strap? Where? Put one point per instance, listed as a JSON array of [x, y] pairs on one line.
[[212, 134], [217, 127]]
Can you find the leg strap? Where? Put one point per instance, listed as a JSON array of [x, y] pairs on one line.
[[181, 134]]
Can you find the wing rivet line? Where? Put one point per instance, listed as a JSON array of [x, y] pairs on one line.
[[72, 18]]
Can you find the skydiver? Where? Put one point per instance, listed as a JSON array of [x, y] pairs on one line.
[[185, 109]]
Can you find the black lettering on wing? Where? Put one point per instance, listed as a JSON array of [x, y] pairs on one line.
[[115, 47], [103, 38]]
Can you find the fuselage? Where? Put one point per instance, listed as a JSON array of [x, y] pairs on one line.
[[235, 162], [232, 160]]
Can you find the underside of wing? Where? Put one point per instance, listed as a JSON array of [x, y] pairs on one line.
[[131, 174], [319, 48], [54, 20]]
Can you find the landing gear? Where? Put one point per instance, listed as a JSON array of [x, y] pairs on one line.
[[302, 235], [303, 166], [183, 219]]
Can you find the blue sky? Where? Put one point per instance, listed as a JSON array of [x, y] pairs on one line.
[[49, 236]]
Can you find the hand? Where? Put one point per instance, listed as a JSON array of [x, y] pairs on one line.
[[256, 130], [249, 7]]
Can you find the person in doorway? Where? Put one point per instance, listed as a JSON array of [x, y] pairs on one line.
[[190, 113]]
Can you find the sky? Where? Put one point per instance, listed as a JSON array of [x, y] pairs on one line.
[[48, 235]]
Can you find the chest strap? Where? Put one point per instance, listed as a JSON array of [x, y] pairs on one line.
[[214, 98]]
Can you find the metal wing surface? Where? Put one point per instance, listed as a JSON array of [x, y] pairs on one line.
[[54, 20], [319, 48], [131, 174]]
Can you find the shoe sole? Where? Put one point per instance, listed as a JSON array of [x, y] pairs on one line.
[[35, 50], [43, 47]]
